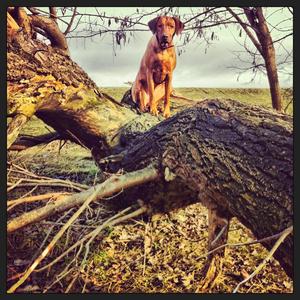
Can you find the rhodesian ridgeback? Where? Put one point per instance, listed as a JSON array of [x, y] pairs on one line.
[[154, 79]]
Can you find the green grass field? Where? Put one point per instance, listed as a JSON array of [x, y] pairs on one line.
[[252, 96]]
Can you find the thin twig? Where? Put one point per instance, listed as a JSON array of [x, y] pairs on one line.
[[73, 225], [49, 183], [63, 229], [285, 109], [56, 238], [145, 248], [110, 222], [48, 234], [284, 234], [14, 185], [268, 238], [69, 183], [12, 203], [109, 187], [219, 234], [71, 21]]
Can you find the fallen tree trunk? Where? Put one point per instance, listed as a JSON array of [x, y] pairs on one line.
[[234, 158]]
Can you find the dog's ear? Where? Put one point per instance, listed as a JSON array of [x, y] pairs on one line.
[[178, 25], [152, 24]]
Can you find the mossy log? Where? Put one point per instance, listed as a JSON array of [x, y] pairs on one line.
[[234, 158]]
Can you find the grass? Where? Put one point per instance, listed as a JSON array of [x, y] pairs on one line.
[[172, 264], [254, 96]]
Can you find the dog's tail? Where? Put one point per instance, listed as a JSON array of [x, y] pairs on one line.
[[177, 95]]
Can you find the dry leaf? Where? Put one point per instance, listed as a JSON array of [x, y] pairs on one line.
[[244, 274]]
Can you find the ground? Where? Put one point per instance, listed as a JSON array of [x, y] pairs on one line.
[[162, 253]]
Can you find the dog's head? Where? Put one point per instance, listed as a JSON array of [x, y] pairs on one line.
[[165, 28]]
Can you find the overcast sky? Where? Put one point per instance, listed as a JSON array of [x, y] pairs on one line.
[[195, 68]]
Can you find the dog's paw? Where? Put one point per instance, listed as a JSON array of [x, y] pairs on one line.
[[166, 113], [154, 111]]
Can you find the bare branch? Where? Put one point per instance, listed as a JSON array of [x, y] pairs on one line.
[[26, 141], [33, 10], [53, 32], [71, 21], [14, 127], [113, 185], [13, 203], [62, 231], [116, 219], [282, 38], [248, 32], [53, 14]]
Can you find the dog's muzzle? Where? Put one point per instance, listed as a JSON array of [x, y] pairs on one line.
[[164, 43]]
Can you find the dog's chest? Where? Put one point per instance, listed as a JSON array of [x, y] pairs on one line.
[[161, 66]]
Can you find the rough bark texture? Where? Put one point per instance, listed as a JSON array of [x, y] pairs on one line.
[[229, 156], [14, 128]]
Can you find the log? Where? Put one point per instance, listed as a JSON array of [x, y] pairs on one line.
[[234, 158], [26, 141]]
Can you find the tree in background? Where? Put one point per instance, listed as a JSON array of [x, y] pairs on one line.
[[258, 32]]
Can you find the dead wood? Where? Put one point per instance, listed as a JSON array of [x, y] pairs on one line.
[[111, 186]]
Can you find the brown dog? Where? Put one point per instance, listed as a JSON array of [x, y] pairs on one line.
[[154, 79]]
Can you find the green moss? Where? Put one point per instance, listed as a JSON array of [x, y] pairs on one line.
[[83, 99]]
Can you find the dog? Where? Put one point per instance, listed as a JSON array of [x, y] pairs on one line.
[[154, 79]]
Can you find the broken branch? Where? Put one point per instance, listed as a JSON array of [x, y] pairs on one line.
[[14, 128], [112, 185]]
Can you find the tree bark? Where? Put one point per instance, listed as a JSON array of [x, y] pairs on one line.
[[266, 48], [232, 157], [270, 59], [13, 130]]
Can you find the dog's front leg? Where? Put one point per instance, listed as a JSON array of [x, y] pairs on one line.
[[142, 96], [168, 88], [150, 83]]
